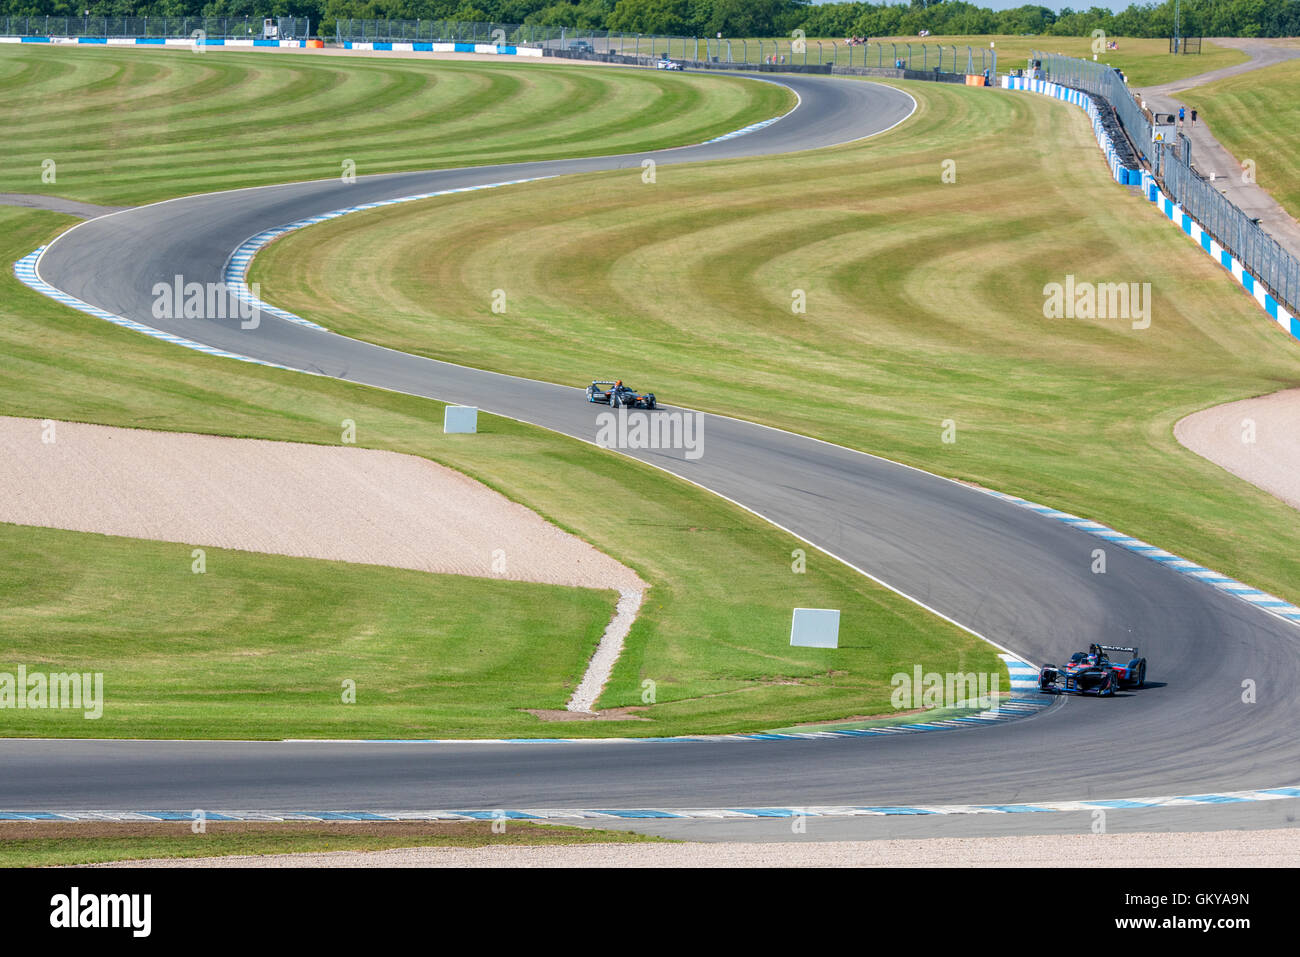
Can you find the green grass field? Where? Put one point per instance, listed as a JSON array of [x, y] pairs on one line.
[[1254, 116], [131, 126], [259, 645], [1144, 61], [45, 844], [925, 303]]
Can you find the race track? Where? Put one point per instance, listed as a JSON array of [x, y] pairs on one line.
[[1020, 579]]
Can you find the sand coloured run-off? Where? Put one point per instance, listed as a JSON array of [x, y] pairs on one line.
[[1255, 439], [1262, 848], [285, 498]]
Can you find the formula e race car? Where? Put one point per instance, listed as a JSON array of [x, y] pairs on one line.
[[618, 396], [663, 63], [1092, 672]]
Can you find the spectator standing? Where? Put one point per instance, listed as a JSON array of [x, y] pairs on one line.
[[1193, 118]]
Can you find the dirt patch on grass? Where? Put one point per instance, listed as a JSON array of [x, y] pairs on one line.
[[283, 498], [609, 714]]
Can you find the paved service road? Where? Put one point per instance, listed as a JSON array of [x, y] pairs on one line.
[[1020, 579]]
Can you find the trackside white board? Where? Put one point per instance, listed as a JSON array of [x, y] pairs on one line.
[[815, 628], [460, 418]]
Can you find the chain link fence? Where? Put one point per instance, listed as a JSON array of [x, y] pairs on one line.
[[917, 57], [228, 28], [1235, 230]]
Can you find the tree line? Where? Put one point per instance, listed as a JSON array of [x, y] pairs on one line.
[[736, 18]]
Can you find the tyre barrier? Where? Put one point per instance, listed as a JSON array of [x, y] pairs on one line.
[[1121, 169]]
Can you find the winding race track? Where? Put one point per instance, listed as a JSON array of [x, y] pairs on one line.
[[1022, 580]]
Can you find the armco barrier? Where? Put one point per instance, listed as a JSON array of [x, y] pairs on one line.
[[160, 41], [313, 44], [414, 47], [1151, 190]]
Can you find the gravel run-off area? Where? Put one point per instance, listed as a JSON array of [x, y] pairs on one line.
[[1261, 848], [1255, 439]]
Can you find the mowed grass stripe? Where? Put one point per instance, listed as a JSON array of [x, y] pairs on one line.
[[258, 646], [924, 304], [132, 126]]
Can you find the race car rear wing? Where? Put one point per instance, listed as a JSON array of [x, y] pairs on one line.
[[1131, 650]]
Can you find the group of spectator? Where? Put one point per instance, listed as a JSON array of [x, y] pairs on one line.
[[857, 41]]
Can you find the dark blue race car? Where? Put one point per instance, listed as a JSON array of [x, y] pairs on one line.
[[618, 396], [1093, 672]]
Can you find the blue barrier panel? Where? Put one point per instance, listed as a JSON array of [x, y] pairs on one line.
[[36, 39]]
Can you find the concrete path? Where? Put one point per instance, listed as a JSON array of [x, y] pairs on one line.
[[1210, 156]]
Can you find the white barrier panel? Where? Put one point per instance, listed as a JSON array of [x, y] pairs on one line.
[[460, 418], [815, 628]]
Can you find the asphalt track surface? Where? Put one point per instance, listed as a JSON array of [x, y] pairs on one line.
[[1020, 579]]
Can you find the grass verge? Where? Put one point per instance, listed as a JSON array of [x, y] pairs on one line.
[[133, 126], [56, 844], [1145, 61], [1254, 116]]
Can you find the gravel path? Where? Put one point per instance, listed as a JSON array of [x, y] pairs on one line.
[[606, 655], [310, 501], [1263, 848], [1254, 439]]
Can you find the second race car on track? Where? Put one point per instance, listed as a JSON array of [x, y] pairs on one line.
[[618, 396], [1092, 672]]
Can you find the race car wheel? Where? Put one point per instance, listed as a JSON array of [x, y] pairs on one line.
[[613, 402], [650, 403], [1142, 675]]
